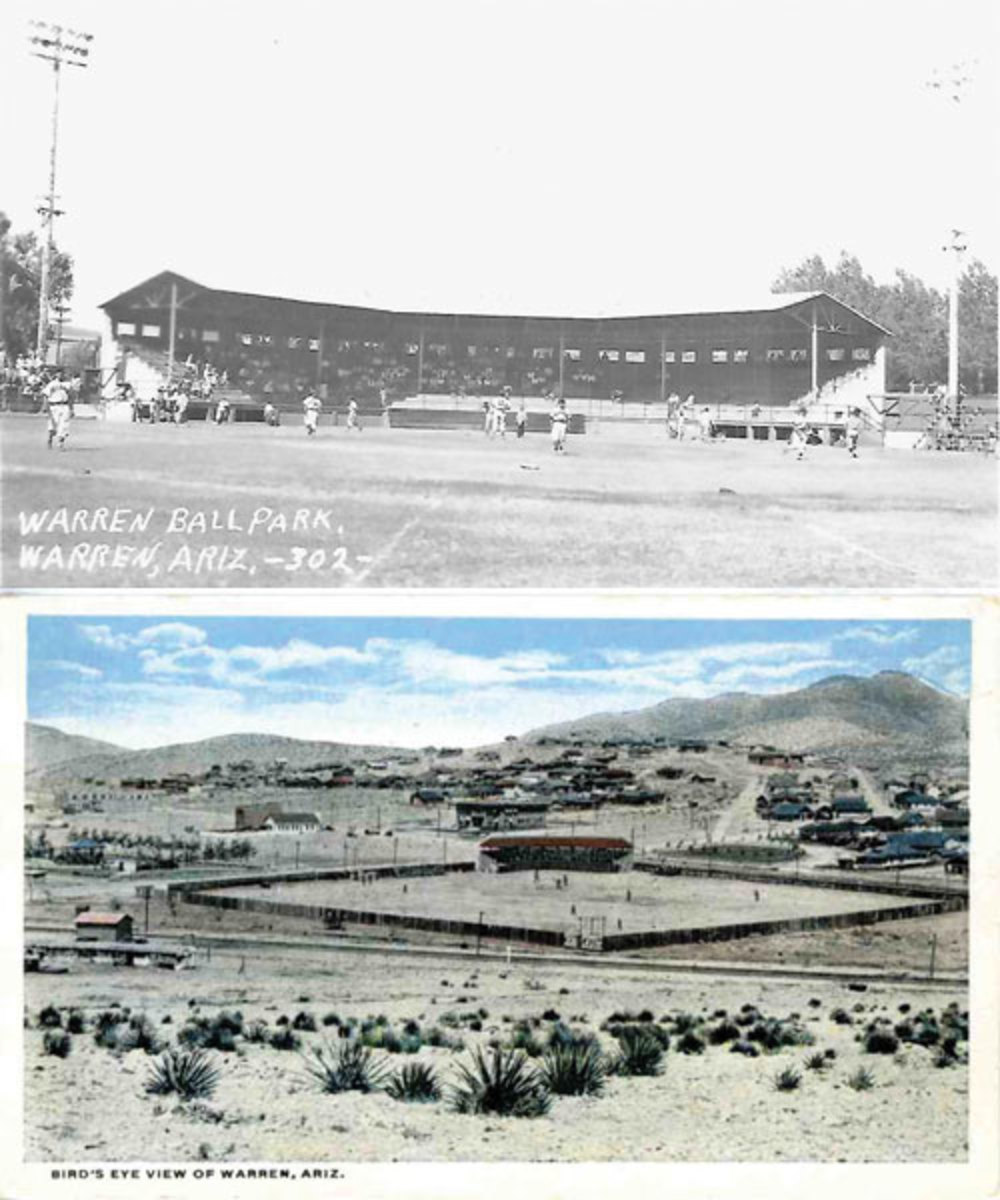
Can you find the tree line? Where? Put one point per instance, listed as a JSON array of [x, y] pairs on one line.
[[917, 316]]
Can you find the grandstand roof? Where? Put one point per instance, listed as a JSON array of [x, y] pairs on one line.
[[503, 841], [757, 302]]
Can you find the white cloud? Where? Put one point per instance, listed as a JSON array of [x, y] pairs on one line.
[[788, 672], [878, 635], [169, 635], [72, 668]]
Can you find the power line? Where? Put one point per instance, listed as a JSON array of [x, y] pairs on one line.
[[62, 47]]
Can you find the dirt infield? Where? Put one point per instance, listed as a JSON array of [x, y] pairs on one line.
[[250, 506], [628, 902]]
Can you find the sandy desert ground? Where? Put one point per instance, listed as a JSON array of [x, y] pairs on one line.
[[716, 1106]]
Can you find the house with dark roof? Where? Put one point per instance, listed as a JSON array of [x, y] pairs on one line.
[[292, 822]]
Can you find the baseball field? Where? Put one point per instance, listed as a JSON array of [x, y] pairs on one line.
[[250, 506]]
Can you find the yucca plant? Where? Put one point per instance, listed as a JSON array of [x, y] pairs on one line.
[[816, 1062], [348, 1067], [257, 1031], [502, 1082], [57, 1043], [414, 1083], [285, 1039], [576, 1069], [189, 1074], [639, 1053], [861, 1080], [50, 1017], [787, 1080]]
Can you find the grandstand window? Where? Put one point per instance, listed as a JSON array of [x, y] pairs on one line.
[[720, 356], [542, 352], [861, 354], [294, 343], [775, 355], [689, 356], [209, 335], [344, 347], [635, 356], [669, 356], [512, 352], [264, 339], [573, 355], [798, 354], [836, 354], [438, 348], [412, 348], [246, 339], [126, 329], [150, 331], [471, 351], [609, 355], [741, 356], [314, 343]]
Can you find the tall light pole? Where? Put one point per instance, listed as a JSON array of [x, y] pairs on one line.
[[61, 47], [952, 85]]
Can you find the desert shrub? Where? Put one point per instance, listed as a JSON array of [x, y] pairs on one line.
[[574, 1070], [190, 1074], [690, 1043], [550, 1014], [830, 1054], [331, 1018], [942, 1058], [193, 1034], [502, 1082], [218, 1037], [880, 1039], [232, 1022], [904, 1008], [57, 1043], [50, 1017], [957, 1023], [816, 1062], [926, 1031], [861, 1080], [167, 1020], [747, 1048], [524, 1039], [257, 1031], [639, 1053], [645, 1017], [414, 1083], [748, 1015], [304, 1021], [815, 1002], [348, 1066], [411, 1028], [684, 1022], [140, 1034], [840, 1016], [75, 1021], [724, 1031], [284, 1039], [787, 1080], [411, 1043], [904, 1030]]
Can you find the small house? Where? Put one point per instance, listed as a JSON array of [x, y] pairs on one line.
[[103, 927]]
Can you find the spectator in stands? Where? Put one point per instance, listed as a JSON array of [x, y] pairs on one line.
[[521, 418]]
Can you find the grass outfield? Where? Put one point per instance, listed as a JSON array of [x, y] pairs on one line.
[[517, 899], [413, 508]]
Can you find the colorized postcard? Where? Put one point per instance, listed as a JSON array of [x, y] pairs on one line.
[[350, 892]]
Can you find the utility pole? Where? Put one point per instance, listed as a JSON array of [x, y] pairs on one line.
[[61, 47], [933, 953], [957, 247]]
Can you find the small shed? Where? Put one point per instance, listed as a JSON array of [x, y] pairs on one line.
[[103, 927]]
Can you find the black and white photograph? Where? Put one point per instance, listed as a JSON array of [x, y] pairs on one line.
[[445, 890], [661, 293]]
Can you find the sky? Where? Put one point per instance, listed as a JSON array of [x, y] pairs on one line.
[[145, 681], [531, 156]]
